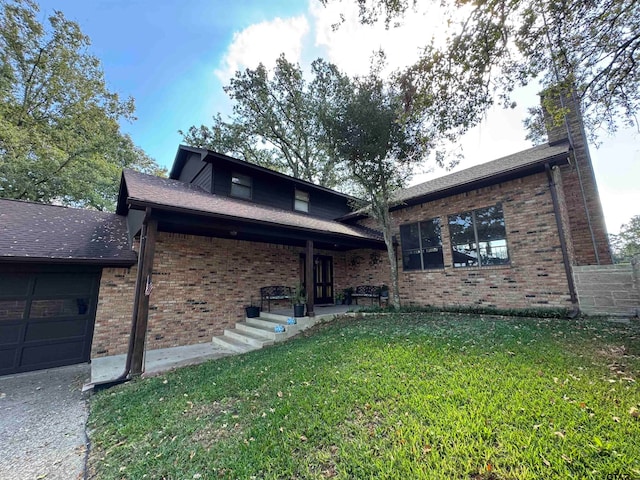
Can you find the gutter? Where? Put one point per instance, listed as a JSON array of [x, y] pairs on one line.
[[97, 262], [563, 243]]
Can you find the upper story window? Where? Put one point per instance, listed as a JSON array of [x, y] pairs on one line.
[[479, 237], [301, 201], [241, 186], [421, 245]]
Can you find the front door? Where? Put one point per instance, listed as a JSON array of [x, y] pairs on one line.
[[322, 278]]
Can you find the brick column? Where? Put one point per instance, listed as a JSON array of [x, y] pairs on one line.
[[586, 219]]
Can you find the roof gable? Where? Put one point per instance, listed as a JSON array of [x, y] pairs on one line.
[[210, 156]]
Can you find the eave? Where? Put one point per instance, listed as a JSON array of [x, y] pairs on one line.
[[173, 218]]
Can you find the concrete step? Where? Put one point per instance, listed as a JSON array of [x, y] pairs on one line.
[[250, 338], [264, 330], [271, 324], [267, 323], [233, 344], [274, 317]]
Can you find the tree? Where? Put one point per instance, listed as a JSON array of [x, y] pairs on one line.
[[589, 48], [278, 121], [379, 145], [59, 135], [626, 244]]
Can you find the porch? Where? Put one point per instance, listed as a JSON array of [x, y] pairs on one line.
[[157, 361]]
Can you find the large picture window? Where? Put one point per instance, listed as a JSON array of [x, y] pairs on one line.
[[421, 245], [479, 237]]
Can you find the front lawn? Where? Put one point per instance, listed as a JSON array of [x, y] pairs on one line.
[[402, 396]]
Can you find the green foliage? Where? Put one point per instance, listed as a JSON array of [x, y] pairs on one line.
[[412, 396], [299, 295], [475, 310], [379, 143], [626, 244], [494, 46], [59, 134], [278, 121]]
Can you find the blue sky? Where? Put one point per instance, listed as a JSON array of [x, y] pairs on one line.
[[175, 57]]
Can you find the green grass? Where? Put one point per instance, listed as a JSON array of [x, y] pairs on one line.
[[396, 396]]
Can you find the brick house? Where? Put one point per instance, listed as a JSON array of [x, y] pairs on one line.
[[505, 234]]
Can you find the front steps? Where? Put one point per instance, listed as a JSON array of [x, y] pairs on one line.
[[255, 333]]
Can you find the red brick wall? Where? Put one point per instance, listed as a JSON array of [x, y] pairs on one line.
[[201, 286], [586, 217], [115, 308], [535, 276]]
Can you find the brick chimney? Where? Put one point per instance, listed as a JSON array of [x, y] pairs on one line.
[[588, 230]]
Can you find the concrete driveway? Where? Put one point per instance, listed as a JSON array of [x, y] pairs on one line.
[[42, 424]]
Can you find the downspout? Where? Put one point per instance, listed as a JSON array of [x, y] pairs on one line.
[[563, 243], [124, 376]]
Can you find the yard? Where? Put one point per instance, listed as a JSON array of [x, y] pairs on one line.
[[406, 396]]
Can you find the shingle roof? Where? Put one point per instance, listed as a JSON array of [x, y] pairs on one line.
[[469, 178], [501, 166], [33, 231], [149, 189]]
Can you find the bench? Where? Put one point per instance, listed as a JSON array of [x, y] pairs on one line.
[[366, 291], [274, 292]]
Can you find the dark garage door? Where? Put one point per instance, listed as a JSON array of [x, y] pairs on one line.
[[46, 317]]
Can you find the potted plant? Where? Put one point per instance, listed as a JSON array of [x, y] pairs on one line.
[[299, 299], [251, 310], [339, 298], [347, 295]]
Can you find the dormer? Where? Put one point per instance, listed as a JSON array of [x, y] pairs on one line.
[[220, 174]]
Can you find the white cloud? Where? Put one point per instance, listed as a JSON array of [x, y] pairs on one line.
[[264, 42], [351, 45]]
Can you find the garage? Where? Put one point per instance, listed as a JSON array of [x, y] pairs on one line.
[[51, 261], [46, 317]]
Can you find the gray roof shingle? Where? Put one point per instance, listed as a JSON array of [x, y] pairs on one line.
[[35, 231], [501, 166], [149, 189]]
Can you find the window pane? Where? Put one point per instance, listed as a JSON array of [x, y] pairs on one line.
[[241, 186], [301, 201], [431, 244], [409, 236], [11, 309], [59, 307], [463, 242], [238, 179], [301, 206], [492, 236], [240, 191]]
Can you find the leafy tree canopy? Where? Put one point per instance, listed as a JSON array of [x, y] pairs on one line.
[[494, 46], [59, 135], [379, 144], [626, 244], [278, 120]]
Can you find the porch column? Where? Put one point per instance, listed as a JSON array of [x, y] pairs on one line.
[[143, 292], [309, 279]]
